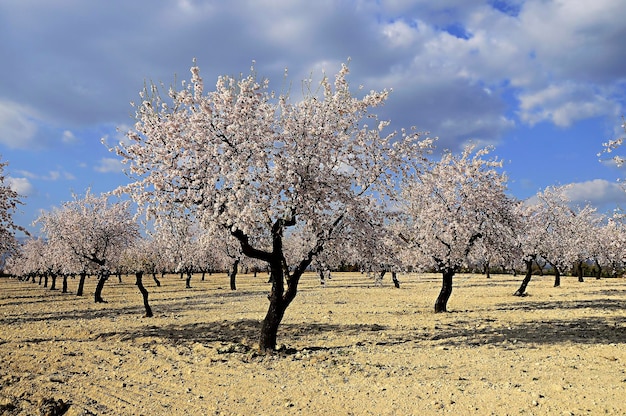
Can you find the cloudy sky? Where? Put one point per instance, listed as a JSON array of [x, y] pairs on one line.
[[544, 81]]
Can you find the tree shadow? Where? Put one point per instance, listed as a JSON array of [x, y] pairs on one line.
[[238, 331], [591, 330], [600, 304]]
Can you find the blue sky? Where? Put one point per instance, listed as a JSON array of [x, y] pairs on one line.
[[544, 81]]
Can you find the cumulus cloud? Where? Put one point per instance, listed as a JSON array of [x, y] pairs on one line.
[[597, 192], [564, 104], [21, 185], [527, 45]]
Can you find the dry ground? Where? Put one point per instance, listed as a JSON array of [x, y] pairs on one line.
[[350, 348]]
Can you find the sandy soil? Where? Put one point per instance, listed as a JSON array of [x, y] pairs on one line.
[[349, 348]]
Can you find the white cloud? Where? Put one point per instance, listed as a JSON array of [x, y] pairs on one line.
[[597, 192], [21, 185], [109, 165], [564, 104]]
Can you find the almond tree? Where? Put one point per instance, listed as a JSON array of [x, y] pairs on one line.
[[530, 234], [28, 261], [9, 201], [92, 229], [558, 231], [218, 247], [585, 224], [137, 258], [257, 164], [450, 208], [609, 245]]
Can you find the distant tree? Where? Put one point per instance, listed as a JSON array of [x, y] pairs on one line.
[[9, 202], [450, 208], [557, 244], [529, 237], [28, 261], [218, 246], [609, 247], [253, 162], [92, 229], [584, 224]]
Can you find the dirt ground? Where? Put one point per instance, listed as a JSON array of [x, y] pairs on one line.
[[348, 348]]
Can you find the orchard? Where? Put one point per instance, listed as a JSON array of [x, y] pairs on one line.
[[244, 178]]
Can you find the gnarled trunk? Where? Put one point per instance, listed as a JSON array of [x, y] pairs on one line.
[[64, 290], [529, 272], [446, 290], [579, 271], [144, 293], [279, 301]]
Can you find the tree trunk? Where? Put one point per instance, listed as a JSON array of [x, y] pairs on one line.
[[203, 274], [144, 293], [53, 285], [269, 328], [64, 283], [529, 272], [446, 291], [81, 283], [599, 275], [487, 270], [188, 281], [279, 299], [557, 277], [158, 283], [98, 293], [45, 280], [233, 275], [579, 270], [394, 278]]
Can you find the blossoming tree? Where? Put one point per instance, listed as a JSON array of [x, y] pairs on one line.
[[257, 164], [450, 208], [92, 229], [9, 201]]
